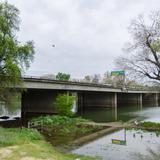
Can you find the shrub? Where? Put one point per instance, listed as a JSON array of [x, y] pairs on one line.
[[57, 120], [64, 104]]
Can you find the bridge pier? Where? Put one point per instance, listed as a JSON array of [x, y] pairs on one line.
[[96, 100], [130, 99], [38, 102], [140, 100], [151, 98], [156, 99], [114, 102]]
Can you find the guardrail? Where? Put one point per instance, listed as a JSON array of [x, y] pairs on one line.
[[48, 80]]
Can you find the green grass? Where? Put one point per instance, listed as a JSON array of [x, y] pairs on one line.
[[63, 130], [57, 120], [150, 125], [16, 144], [18, 136]]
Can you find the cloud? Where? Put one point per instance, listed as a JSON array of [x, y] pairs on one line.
[[88, 35]]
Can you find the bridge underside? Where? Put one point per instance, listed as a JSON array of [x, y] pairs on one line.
[[41, 101]]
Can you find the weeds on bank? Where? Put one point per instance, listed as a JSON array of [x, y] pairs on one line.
[[62, 130], [12, 136]]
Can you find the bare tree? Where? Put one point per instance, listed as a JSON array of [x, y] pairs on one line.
[[87, 78], [143, 53], [96, 78]]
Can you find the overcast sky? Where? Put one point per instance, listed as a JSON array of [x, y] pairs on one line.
[[88, 34]]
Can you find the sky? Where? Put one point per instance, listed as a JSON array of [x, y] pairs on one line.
[[88, 34]]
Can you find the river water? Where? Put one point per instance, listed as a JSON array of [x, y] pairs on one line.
[[123, 113], [11, 109], [138, 143]]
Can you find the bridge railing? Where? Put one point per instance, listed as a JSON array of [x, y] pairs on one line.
[[45, 79]]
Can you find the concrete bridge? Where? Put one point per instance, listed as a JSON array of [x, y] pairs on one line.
[[40, 95]]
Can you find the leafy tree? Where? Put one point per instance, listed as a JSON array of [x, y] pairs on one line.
[[64, 104], [144, 57], [15, 57], [63, 76]]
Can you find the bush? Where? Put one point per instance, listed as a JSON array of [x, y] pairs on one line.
[[150, 125], [64, 104], [58, 120]]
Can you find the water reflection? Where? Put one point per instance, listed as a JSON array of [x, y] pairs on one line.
[[137, 142], [11, 108], [122, 113]]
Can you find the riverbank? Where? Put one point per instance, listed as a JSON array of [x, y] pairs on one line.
[[62, 130], [28, 144]]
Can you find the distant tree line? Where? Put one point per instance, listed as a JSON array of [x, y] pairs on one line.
[[106, 78]]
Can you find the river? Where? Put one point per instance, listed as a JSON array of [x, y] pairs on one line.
[[138, 143], [123, 113]]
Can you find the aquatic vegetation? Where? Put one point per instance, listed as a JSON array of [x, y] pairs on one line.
[[150, 126], [57, 120], [62, 129]]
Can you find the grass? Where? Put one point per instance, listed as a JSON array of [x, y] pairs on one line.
[[150, 126], [28, 144], [57, 120], [14, 136], [63, 130]]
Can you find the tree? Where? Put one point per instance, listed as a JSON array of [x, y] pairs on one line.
[[144, 57], [87, 78], [63, 76], [64, 104], [14, 56], [107, 78], [96, 78]]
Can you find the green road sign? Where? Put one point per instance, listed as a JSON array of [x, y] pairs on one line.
[[117, 141], [117, 73]]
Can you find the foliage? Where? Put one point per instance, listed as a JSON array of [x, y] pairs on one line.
[[96, 78], [64, 104], [17, 136], [63, 76], [14, 56], [63, 130], [150, 125], [87, 78], [144, 59], [57, 120], [29, 144]]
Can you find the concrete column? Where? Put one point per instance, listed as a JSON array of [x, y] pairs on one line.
[[80, 100], [156, 99], [140, 100], [114, 100], [75, 104], [114, 105]]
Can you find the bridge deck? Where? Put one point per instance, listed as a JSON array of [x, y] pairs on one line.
[[38, 83]]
